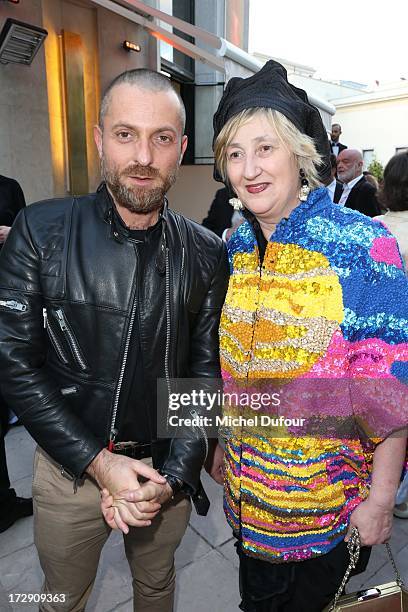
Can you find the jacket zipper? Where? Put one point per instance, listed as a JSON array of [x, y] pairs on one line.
[[54, 340], [168, 331], [193, 412], [182, 268], [71, 339], [69, 390], [167, 353], [113, 431], [13, 305], [168, 318], [181, 287]]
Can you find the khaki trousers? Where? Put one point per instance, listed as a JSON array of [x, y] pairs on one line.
[[69, 533]]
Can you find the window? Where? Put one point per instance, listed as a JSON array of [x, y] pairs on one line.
[[368, 156], [180, 67], [173, 61], [401, 149]]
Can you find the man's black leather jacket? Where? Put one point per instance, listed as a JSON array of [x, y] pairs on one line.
[[67, 302]]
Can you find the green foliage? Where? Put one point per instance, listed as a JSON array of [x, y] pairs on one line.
[[377, 169]]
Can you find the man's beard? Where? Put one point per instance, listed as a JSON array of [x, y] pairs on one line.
[[345, 177], [142, 200]]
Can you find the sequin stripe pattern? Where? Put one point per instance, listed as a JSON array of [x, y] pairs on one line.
[[293, 503], [317, 305], [296, 313]]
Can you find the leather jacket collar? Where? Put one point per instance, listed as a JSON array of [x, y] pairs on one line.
[[121, 233]]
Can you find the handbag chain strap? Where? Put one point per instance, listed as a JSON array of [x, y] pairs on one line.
[[399, 580], [353, 546]]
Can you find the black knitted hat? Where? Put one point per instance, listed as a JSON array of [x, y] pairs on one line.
[[269, 88]]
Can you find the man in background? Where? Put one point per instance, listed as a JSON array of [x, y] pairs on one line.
[[12, 507], [222, 219], [358, 193], [220, 213], [336, 146], [335, 188], [11, 202]]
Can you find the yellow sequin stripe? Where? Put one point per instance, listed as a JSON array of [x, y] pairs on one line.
[[249, 343]]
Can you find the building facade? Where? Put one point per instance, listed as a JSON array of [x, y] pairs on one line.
[[373, 117], [48, 109], [375, 122]]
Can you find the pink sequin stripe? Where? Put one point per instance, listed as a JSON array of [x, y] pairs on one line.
[[332, 365], [384, 250], [282, 549]]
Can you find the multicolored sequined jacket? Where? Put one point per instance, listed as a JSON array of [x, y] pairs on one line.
[[328, 303]]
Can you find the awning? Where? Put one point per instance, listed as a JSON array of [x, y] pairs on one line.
[[226, 57]]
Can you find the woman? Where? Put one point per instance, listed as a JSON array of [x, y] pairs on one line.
[[394, 198], [314, 294]]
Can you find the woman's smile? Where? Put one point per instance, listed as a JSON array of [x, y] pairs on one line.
[[257, 187], [263, 172]]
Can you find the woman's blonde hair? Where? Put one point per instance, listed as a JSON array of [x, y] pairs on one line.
[[298, 144]]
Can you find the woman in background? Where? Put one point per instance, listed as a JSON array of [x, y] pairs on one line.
[[393, 197]]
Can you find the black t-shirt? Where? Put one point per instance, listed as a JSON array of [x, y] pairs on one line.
[[261, 240], [134, 420]]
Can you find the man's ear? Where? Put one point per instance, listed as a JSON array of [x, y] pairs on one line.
[[97, 132], [184, 142]]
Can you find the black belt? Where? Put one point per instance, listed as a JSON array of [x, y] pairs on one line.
[[134, 450]]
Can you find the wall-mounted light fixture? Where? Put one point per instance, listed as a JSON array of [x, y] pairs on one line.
[[129, 46], [20, 42]]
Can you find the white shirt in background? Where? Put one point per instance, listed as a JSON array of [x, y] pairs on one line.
[[331, 188], [347, 187]]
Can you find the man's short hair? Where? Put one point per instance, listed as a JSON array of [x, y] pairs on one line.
[[146, 79]]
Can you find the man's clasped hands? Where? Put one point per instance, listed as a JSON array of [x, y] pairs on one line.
[[132, 492]]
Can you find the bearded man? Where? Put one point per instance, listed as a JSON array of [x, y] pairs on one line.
[[357, 193], [101, 296]]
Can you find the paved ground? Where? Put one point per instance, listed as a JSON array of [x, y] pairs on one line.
[[207, 567]]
